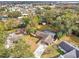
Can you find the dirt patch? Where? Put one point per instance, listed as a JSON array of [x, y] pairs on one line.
[[31, 41]]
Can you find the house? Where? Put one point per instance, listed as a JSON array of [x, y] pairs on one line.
[[70, 50], [65, 46], [46, 37], [43, 21], [72, 54], [3, 18]]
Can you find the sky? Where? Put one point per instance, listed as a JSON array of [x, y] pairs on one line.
[[39, 0]]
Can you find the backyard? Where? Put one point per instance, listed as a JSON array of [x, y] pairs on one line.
[[72, 39], [31, 41]]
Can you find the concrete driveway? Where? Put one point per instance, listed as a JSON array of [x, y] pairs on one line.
[[39, 51]]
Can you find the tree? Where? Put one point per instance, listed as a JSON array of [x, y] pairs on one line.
[[14, 14], [3, 52], [35, 21], [2, 27], [59, 34], [31, 30], [47, 8], [26, 21], [11, 24]]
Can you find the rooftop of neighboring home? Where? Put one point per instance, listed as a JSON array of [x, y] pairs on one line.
[[66, 46], [71, 51]]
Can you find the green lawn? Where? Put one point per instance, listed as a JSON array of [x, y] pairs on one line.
[[50, 52], [61, 52]]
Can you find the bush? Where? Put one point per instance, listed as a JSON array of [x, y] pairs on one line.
[[61, 52], [31, 30]]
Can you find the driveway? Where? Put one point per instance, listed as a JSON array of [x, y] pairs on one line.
[[39, 51]]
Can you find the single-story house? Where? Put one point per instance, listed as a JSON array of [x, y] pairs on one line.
[[3, 18], [46, 37], [43, 21]]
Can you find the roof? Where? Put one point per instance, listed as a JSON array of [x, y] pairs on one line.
[[66, 46], [77, 53], [72, 54], [48, 39], [46, 36], [71, 51], [50, 33], [41, 34], [45, 33]]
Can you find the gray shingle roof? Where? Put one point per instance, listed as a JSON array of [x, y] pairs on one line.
[[71, 51], [71, 54], [77, 53], [67, 47]]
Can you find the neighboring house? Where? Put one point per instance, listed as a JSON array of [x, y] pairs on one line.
[[70, 50], [46, 37], [72, 54], [65, 46], [43, 21]]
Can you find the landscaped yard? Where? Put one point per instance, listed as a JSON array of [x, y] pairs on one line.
[[50, 52], [31, 41]]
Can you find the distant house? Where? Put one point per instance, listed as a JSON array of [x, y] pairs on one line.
[[70, 50], [43, 21], [3, 18], [24, 14], [46, 37]]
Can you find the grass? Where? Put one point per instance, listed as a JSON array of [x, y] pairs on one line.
[[31, 41], [13, 30], [50, 52], [43, 27], [71, 39], [47, 27], [61, 52]]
